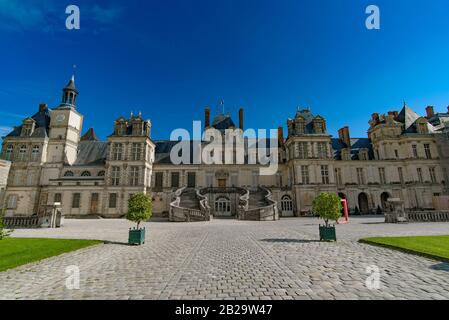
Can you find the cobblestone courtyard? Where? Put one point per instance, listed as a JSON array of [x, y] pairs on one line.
[[228, 259]]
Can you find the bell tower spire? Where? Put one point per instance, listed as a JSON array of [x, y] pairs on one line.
[[69, 94]]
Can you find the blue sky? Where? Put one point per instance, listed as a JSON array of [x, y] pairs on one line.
[[171, 58]]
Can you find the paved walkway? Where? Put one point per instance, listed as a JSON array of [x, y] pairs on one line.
[[228, 259]]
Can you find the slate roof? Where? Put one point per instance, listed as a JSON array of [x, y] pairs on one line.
[[356, 145], [42, 126], [91, 153], [163, 149], [308, 117], [222, 122]]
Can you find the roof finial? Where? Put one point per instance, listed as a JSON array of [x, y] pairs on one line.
[[74, 72]]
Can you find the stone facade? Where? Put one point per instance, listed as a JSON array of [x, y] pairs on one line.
[[404, 156]]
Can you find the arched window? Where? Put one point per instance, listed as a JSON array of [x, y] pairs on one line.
[[9, 152], [68, 174], [85, 174], [35, 153], [22, 153], [286, 204], [101, 174]]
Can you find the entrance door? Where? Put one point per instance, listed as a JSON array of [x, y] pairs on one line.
[[94, 203], [363, 203], [287, 206], [222, 207]]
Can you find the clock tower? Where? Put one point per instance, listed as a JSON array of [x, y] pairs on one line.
[[65, 127]]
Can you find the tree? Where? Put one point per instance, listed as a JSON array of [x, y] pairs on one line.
[[328, 206], [139, 208], [3, 232]]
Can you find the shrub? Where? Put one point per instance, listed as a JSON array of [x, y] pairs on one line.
[[3, 232], [328, 206], [139, 208]]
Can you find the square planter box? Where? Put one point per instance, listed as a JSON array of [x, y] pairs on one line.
[[328, 233], [136, 236]]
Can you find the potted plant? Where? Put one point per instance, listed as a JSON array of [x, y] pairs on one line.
[[139, 209], [328, 207]]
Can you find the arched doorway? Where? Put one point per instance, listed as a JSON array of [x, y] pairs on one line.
[[287, 206], [363, 203], [384, 200], [223, 207]]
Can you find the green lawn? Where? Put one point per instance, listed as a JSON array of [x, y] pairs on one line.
[[436, 247], [18, 251]]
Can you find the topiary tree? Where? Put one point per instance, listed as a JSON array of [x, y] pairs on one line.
[[328, 206], [139, 208]]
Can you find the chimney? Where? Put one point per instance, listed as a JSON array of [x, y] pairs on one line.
[[43, 107], [207, 118], [241, 118], [343, 134], [430, 112], [281, 135], [393, 114]]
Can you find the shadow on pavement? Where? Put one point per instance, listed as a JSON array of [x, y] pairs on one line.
[[444, 266]]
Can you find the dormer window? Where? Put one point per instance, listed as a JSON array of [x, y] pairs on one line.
[[319, 125], [346, 154], [120, 127], [137, 127], [363, 155], [28, 127], [300, 125]]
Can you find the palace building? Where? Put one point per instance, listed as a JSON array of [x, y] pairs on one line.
[[404, 156]]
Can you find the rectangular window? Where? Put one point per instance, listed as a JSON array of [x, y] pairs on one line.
[[35, 154], [134, 176], [420, 179], [303, 151], [159, 180], [401, 175], [361, 176], [115, 177], [117, 151], [322, 150], [305, 174], [76, 200], [113, 200], [338, 176], [382, 177], [175, 179], [325, 174], [433, 176], [396, 154], [415, 151], [58, 197], [136, 151], [12, 202], [191, 180], [427, 151]]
